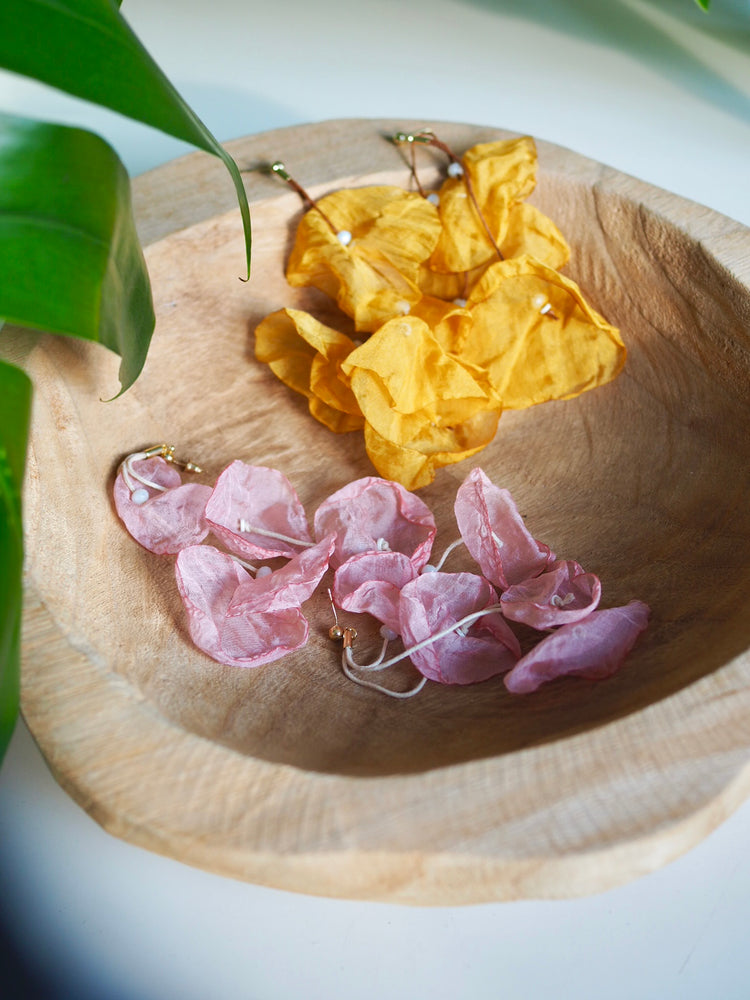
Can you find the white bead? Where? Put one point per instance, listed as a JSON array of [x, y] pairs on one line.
[[139, 496], [382, 545], [539, 300], [344, 237], [459, 302], [403, 307], [263, 571], [433, 198], [455, 170], [388, 633], [429, 568]]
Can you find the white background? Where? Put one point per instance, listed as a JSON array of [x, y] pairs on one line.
[[656, 89]]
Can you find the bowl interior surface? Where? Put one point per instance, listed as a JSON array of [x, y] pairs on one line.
[[643, 481]]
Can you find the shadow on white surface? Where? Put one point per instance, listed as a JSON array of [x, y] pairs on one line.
[[640, 29], [102, 919]]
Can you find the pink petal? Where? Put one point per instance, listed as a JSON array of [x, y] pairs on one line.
[[594, 648], [374, 514], [262, 497], [207, 580], [166, 522], [562, 595], [287, 587], [495, 534], [433, 602], [371, 583]]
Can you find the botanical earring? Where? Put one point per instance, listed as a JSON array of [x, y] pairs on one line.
[[160, 512]]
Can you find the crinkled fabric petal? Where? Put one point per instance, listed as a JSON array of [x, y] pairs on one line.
[[371, 583], [447, 286], [278, 344], [262, 497], [495, 533], [531, 232], [416, 466], [306, 355], [286, 587], [433, 602], [559, 596], [594, 648], [334, 419], [369, 514], [416, 396], [532, 357], [374, 277], [166, 522], [207, 580], [501, 173]]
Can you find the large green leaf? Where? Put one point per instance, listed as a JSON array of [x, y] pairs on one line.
[[15, 404], [86, 48], [70, 258]]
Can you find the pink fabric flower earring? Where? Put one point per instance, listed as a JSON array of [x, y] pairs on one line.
[[239, 613]]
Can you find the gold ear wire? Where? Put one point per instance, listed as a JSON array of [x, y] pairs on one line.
[[277, 167], [166, 451], [335, 631]]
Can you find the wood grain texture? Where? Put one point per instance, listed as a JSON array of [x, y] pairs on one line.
[[291, 776]]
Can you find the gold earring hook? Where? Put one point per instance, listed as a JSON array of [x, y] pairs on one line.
[[166, 451]]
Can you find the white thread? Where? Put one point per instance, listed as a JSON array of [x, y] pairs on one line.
[[129, 474], [376, 663], [561, 602], [251, 529], [379, 687], [245, 565], [498, 541], [451, 547], [460, 624]]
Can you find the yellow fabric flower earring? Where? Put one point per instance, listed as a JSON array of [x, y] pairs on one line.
[[459, 298]]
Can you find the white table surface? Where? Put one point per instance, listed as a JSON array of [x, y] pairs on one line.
[[655, 89]]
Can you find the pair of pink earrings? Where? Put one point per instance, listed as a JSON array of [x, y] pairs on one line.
[[376, 538]]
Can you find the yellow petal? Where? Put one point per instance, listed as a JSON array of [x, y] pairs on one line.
[[279, 345], [530, 232], [449, 286], [415, 396], [501, 174], [306, 355], [373, 277], [536, 336], [415, 466]]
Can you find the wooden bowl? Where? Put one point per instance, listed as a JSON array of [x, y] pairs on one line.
[[291, 776]]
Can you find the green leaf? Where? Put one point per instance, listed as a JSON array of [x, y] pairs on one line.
[[15, 407], [70, 258], [703, 3], [86, 48]]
